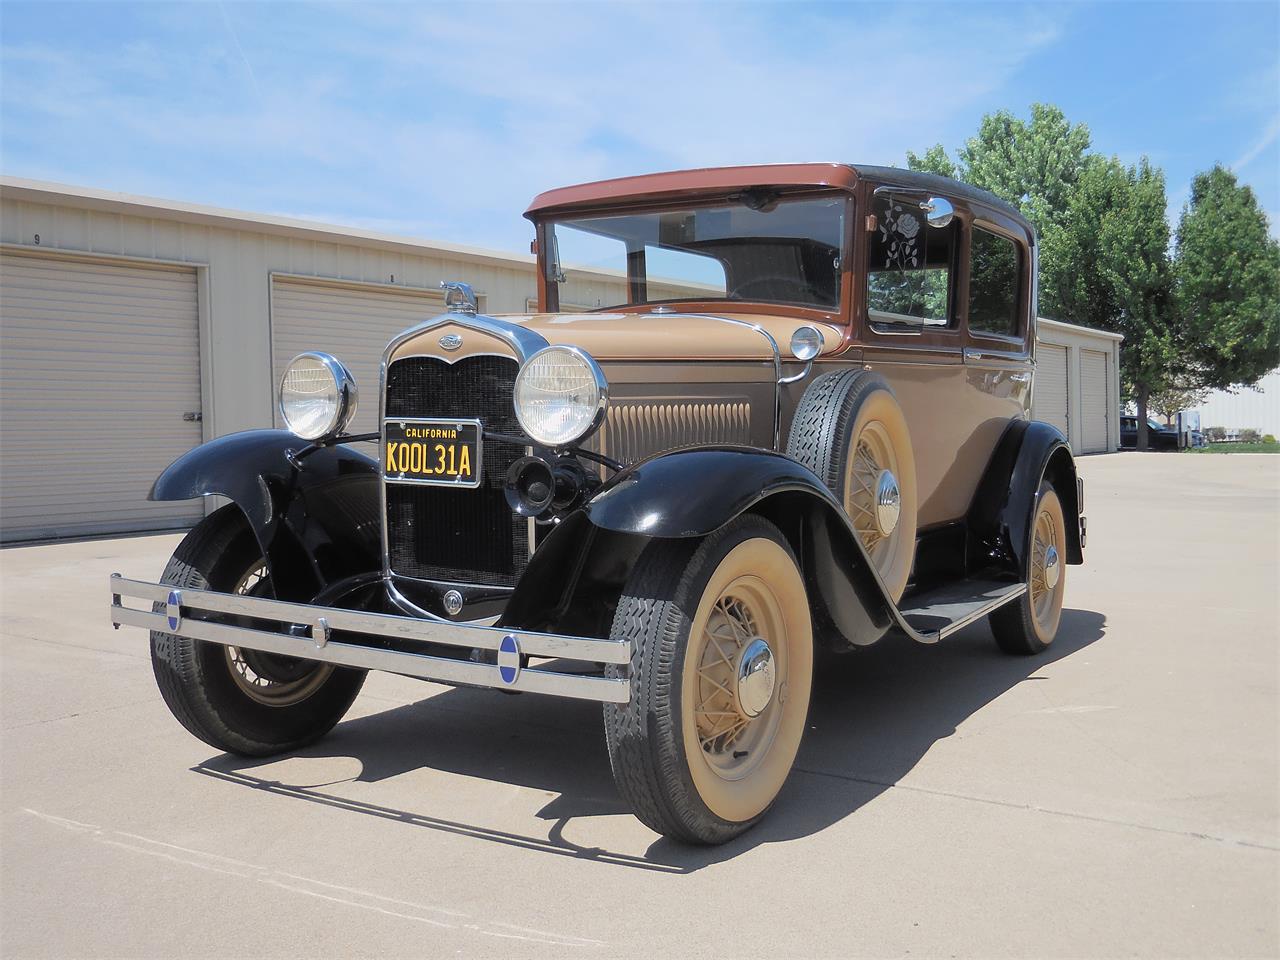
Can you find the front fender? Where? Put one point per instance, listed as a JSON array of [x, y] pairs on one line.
[[317, 519], [691, 493], [585, 561]]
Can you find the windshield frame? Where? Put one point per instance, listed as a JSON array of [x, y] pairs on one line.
[[549, 289]]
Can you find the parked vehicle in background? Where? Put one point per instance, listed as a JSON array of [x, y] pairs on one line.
[[1159, 436], [663, 505]]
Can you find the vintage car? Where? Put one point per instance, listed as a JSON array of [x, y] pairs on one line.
[[799, 423]]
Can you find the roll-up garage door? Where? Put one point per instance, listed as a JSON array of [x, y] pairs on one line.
[[99, 392], [354, 322], [1095, 404], [1052, 397]]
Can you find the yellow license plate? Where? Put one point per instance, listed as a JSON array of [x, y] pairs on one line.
[[441, 452]]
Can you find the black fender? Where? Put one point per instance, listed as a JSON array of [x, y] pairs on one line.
[[1000, 517], [583, 563], [316, 518]]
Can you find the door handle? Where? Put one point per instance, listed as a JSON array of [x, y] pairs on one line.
[[193, 416], [972, 354]]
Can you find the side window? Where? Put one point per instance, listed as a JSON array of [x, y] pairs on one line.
[[909, 269], [993, 284]]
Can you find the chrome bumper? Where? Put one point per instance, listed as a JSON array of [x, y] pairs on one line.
[[303, 631]]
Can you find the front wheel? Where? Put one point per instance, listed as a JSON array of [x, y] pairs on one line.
[[721, 668], [241, 701]]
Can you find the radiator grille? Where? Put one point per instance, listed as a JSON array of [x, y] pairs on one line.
[[634, 430], [439, 533]]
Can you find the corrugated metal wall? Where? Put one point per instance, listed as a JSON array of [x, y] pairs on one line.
[[100, 363], [1096, 402], [1051, 401]]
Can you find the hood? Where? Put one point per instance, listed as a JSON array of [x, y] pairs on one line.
[[649, 336]]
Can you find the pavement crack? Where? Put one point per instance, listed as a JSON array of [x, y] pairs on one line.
[[1032, 808]]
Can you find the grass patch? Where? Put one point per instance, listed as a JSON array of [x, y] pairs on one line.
[[1259, 447]]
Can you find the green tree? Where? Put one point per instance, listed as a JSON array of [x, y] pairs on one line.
[[1106, 265], [1033, 164], [933, 160], [1171, 401], [1227, 271]]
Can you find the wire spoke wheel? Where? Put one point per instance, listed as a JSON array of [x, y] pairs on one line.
[[267, 678], [732, 737], [747, 669], [1046, 581], [720, 675], [1029, 624]]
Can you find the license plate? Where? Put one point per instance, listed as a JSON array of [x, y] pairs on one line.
[[441, 452]]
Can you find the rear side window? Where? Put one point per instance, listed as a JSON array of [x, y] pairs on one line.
[[909, 269], [993, 284]]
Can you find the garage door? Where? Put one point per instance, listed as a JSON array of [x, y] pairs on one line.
[[1095, 404], [352, 322], [99, 362], [1052, 398]]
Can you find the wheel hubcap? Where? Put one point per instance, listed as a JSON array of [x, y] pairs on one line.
[[1052, 570], [756, 678], [888, 502]]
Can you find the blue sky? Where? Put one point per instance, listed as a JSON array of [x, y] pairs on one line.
[[443, 120]]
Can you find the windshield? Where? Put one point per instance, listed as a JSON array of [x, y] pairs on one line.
[[754, 248]]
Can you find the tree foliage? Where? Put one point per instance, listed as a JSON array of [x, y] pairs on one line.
[[1171, 401], [1227, 272], [933, 160], [1209, 317], [1106, 265], [1034, 164]]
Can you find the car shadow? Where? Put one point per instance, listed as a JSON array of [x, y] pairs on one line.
[[874, 714]]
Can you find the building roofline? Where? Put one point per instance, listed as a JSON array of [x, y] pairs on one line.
[[113, 201], [1076, 328]]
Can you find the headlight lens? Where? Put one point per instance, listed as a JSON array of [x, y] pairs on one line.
[[317, 396], [560, 395]]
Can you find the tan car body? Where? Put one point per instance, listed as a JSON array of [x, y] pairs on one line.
[[958, 390]]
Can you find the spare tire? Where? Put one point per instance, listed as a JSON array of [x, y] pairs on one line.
[[850, 431]]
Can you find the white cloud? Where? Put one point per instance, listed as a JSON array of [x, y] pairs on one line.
[[458, 114]]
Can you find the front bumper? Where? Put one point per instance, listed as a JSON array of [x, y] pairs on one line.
[[378, 641]]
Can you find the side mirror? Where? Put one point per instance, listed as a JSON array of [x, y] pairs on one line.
[[937, 211]]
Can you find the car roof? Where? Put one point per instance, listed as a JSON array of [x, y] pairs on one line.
[[713, 180]]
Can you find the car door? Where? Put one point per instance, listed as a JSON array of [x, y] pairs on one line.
[[911, 331], [999, 330]]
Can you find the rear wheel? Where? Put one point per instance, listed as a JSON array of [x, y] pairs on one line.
[[1029, 624], [241, 701], [721, 669]]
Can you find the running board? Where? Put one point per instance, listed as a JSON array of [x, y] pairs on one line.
[[938, 613]]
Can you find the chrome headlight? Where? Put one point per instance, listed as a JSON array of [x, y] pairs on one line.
[[317, 396], [560, 395]]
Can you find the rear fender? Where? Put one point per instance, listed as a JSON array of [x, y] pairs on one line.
[[575, 576], [1029, 452], [316, 519]]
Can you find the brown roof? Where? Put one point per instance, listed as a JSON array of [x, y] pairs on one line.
[[716, 180]]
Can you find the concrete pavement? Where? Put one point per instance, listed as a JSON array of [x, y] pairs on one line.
[[1117, 796]]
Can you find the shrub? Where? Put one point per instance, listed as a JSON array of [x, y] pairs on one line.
[[1250, 436], [1268, 438]]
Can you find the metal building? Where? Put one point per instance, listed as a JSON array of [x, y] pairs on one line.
[[1077, 384]]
